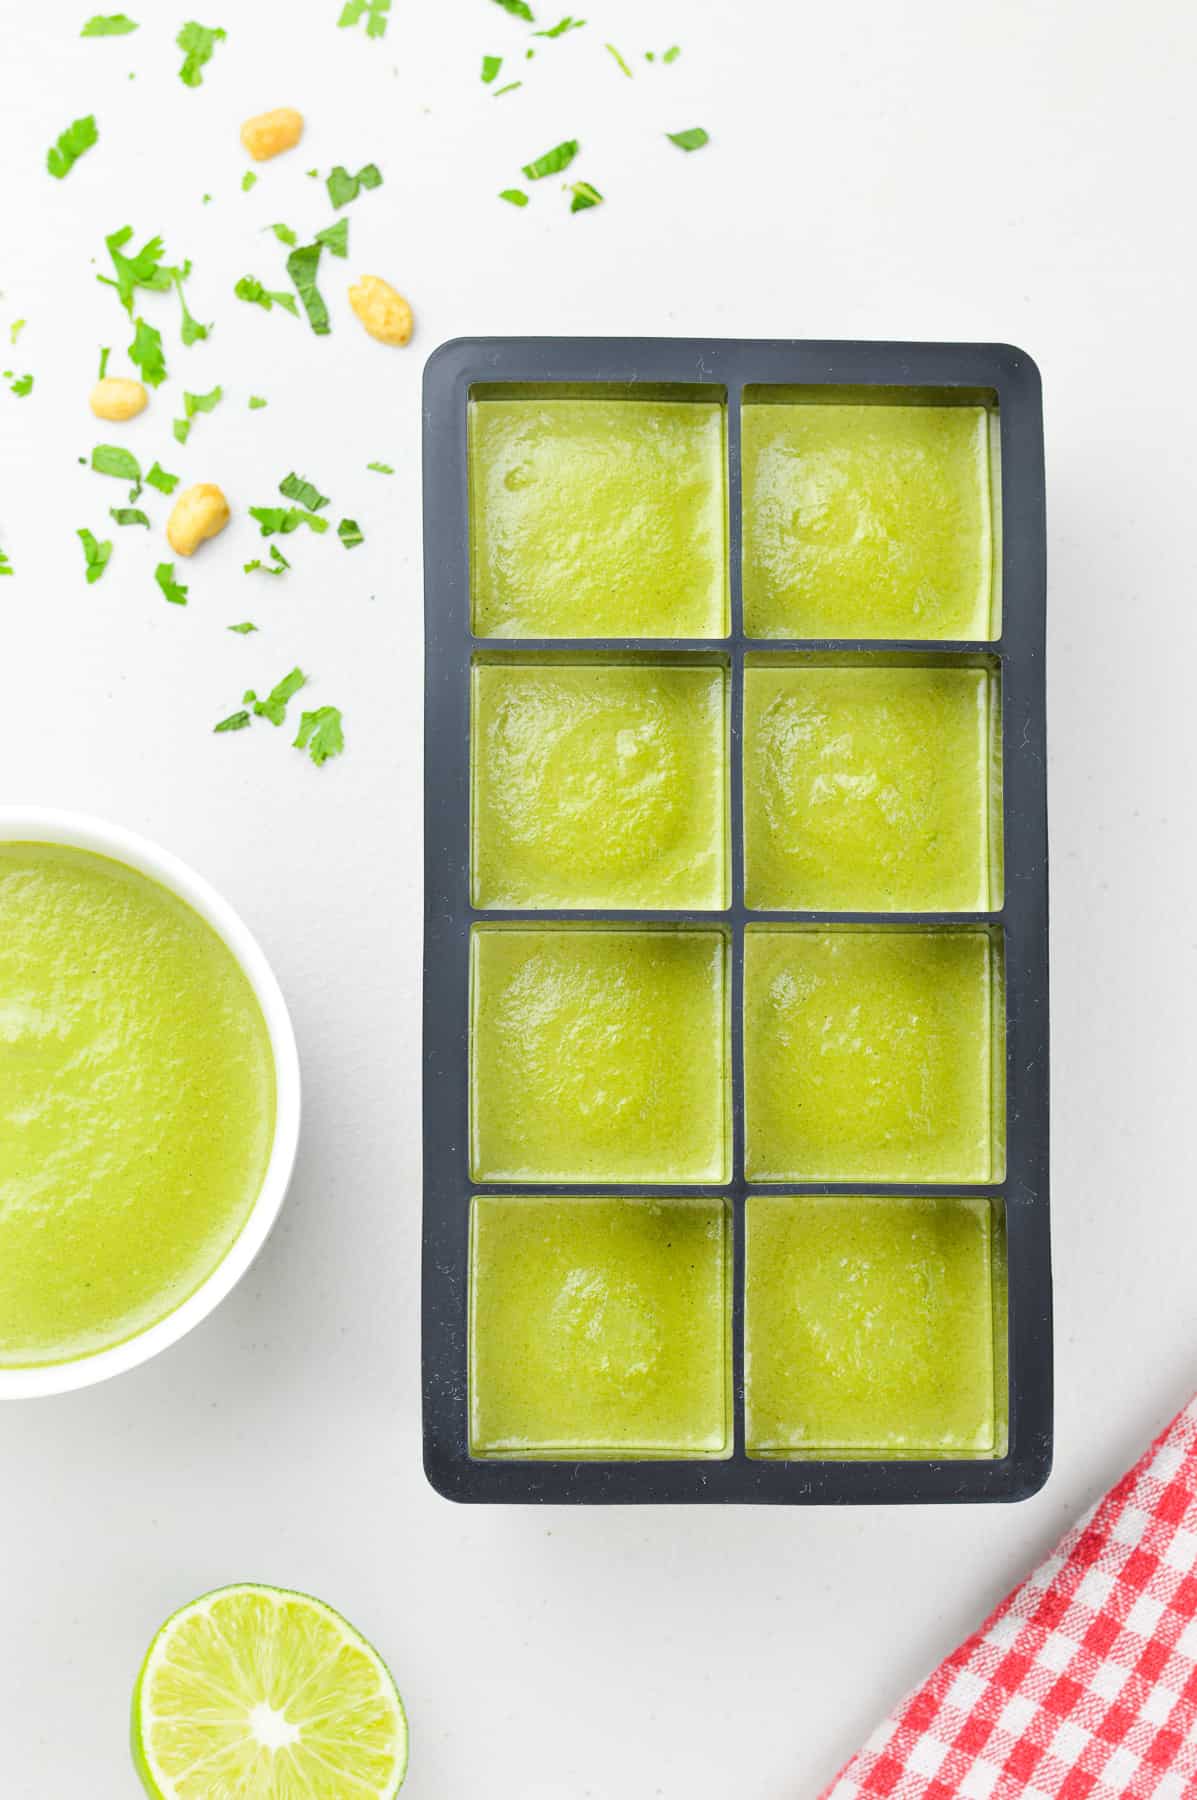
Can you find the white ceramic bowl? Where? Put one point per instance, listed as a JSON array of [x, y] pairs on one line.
[[44, 826]]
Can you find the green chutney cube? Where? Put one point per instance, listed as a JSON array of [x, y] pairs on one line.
[[869, 1325], [870, 788], [598, 1054], [868, 521], [872, 1055], [599, 1327], [599, 785], [597, 517]]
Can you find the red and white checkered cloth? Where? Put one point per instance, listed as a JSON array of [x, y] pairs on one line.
[[1083, 1684]]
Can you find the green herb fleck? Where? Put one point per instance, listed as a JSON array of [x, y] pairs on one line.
[[114, 459], [509, 89], [284, 234], [583, 196], [146, 352], [274, 706], [672, 54], [514, 196], [109, 25], [70, 146], [350, 533], [491, 66], [561, 27], [22, 386], [321, 734], [694, 139], [95, 554], [381, 468], [256, 403], [302, 265], [128, 515], [144, 270], [335, 237], [284, 519], [519, 9], [104, 355], [235, 722], [191, 331], [277, 564], [5, 565], [553, 161], [193, 404], [251, 289], [160, 479], [15, 330], [242, 630], [197, 42], [172, 590], [344, 187], [376, 15], [248, 180], [619, 59], [304, 493]]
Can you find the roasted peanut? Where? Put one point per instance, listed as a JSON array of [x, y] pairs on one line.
[[198, 513], [382, 310], [270, 133], [116, 397]]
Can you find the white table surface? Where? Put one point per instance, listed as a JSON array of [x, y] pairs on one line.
[[913, 169]]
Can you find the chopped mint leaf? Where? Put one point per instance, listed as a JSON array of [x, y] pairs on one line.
[[284, 234], [381, 468], [302, 265], [519, 9], [146, 352], [172, 590], [274, 706], [350, 533], [672, 54], [619, 59], [304, 493], [128, 515], [514, 196], [191, 330], [509, 89], [375, 14], [583, 196], [277, 564], [145, 270], [197, 42], [284, 519], [256, 403], [70, 146], [344, 187], [104, 355], [15, 330], [109, 25], [248, 180], [251, 289], [694, 139], [160, 479], [5, 565], [22, 386], [321, 734], [114, 459], [491, 66], [335, 237], [242, 630], [95, 554], [561, 27], [553, 161], [235, 722]]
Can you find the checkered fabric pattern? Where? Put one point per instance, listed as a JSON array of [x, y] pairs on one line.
[[1083, 1684]]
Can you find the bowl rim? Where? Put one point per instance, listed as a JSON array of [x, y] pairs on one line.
[[84, 831]]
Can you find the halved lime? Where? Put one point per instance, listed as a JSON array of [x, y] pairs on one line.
[[269, 1695]]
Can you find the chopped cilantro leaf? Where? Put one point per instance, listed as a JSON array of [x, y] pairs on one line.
[[109, 25], [304, 493], [191, 330], [694, 139], [344, 187], [302, 265], [5, 565], [321, 734], [274, 706], [128, 515], [619, 59], [509, 89], [158, 478], [181, 428], [244, 629], [248, 180], [145, 270], [583, 196], [672, 54], [375, 13], [335, 237], [277, 564], [22, 386], [235, 722], [192, 404], [104, 355], [514, 196], [518, 8], [491, 66], [284, 234], [95, 554], [381, 468], [70, 146], [561, 27], [197, 42], [284, 519], [256, 403], [15, 330], [350, 533], [251, 289], [114, 459], [553, 161], [146, 352], [172, 590]]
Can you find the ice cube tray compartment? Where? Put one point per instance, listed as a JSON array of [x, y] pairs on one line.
[[735, 946]]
